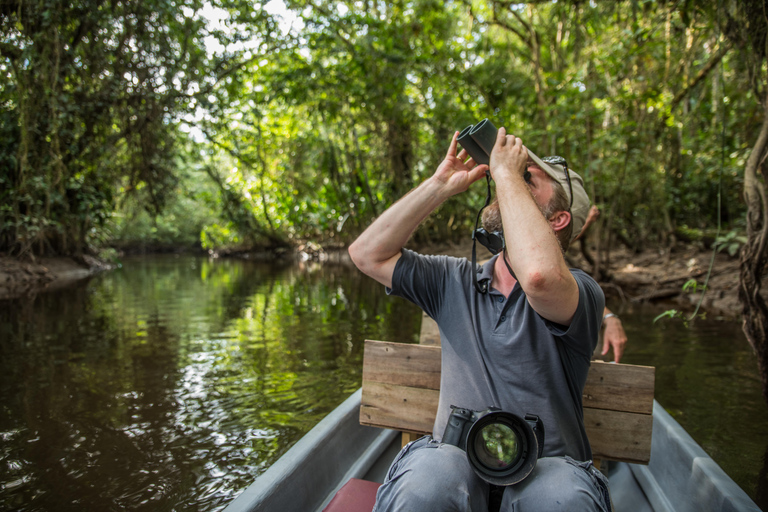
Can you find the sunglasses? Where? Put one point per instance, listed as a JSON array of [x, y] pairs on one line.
[[558, 160], [493, 241]]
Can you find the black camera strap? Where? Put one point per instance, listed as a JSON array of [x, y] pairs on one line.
[[484, 287]]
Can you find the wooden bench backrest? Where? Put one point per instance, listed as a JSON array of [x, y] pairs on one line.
[[401, 387]]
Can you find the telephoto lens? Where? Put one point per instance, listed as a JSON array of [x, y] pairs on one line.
[[501, 447]]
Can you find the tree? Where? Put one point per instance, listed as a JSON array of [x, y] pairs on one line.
[[92, 94], [745, 23]]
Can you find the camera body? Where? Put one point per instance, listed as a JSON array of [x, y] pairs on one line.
[[501, 447]]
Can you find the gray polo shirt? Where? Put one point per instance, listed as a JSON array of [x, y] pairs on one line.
[[497, 351]]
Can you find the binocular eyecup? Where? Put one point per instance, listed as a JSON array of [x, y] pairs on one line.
[[479, 140]]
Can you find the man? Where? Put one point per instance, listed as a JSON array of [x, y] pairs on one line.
[[521, 341], [614, 336]]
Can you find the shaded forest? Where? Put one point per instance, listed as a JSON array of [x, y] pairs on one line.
[[189, 122], [239, 125]]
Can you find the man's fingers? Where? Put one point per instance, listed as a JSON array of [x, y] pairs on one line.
[[501, 136], [454, 145], [477, 173]]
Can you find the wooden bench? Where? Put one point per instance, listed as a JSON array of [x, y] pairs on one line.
[[401, 388]]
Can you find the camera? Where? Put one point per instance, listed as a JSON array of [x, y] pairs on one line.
[[501, 447]]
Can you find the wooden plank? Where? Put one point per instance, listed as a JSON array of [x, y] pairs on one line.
[[619, 435], [609, 386], [613, 435], [401, 364], [430, 333], [398, 407], [620, 387], [401, 384]]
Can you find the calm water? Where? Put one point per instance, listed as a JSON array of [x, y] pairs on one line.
[[170, 383], [707, 379]]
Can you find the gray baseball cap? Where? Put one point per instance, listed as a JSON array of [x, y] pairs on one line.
[[575, 191]]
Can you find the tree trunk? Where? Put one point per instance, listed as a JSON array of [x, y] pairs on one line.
[[754, 255], [400, 149]]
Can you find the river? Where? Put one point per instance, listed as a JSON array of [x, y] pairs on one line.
[[170, 383]]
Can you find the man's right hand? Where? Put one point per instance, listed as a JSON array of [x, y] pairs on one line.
[[377, 250], [455, 172]]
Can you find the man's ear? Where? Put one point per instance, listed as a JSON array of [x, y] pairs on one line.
[[559, 220]]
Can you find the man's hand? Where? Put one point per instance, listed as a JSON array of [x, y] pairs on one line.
[[509, 154], [614, 337], [594, 213], [455, 172], [377, 250]]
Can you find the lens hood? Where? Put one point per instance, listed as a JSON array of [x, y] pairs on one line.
[[503, 448]]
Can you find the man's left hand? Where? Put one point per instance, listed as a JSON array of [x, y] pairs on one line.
[[614, 337]]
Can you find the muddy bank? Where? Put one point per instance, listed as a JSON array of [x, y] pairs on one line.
[[676, 280], [19, 277]]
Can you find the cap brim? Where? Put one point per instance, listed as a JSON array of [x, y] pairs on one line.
[[580, 201]]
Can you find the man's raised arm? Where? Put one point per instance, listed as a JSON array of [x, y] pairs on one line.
[[533, 250], [377, 249]]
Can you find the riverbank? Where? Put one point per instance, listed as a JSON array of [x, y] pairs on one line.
[[655, 275], [19, 277]]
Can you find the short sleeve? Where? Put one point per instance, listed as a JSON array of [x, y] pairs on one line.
[[582, 334], [422, 279]]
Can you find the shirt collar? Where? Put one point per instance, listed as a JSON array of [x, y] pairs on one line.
[[485, 272]]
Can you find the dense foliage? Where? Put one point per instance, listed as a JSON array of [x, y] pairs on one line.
[[191, 122]]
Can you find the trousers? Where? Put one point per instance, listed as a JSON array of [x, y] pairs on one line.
[[431, 476]]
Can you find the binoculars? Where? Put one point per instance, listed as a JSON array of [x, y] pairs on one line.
[[478, 140], [501, 447]]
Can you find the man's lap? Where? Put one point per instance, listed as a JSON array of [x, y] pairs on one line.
[[427, 475]]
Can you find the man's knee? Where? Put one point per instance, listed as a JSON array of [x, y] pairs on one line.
[[557, 484], [432, 479]]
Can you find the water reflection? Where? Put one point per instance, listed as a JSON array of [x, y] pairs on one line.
[[169, 384], [707, 378]]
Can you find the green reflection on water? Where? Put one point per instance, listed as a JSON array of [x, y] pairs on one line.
[[707, 379], [170, 384]]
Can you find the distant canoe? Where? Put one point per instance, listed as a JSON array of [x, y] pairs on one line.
[[681, 477]]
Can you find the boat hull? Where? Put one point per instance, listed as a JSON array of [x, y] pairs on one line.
[[680, 477]]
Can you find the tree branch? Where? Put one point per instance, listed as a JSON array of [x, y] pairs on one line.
[[703, 72]]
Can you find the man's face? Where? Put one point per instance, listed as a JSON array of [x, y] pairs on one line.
[[540, 185]]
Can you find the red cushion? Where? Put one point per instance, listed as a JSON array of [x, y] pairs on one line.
[[355, 496]]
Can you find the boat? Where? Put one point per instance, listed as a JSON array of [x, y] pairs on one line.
[[680, 477]]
